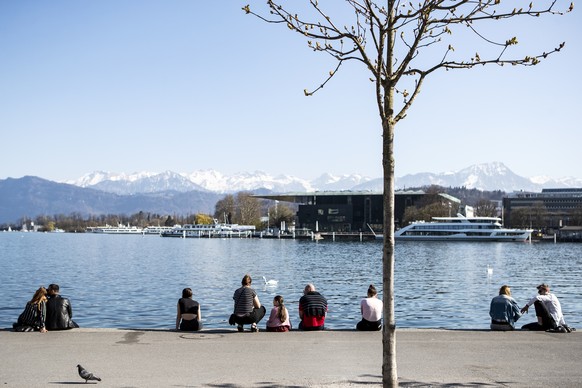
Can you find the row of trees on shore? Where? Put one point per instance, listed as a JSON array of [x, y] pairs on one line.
[[241, 208], [245, 209]]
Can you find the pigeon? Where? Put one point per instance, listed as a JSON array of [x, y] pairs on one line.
[[86, 374]]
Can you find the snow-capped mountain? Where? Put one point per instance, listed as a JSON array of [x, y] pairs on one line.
[[138, 183], [487, 176], [245, 181], [202, 180], [342, 182]]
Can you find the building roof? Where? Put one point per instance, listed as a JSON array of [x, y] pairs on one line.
[[547, 193], [301, 197]]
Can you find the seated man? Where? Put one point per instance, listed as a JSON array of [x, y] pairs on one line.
[[548, 311], [312, 309], [59, 313]]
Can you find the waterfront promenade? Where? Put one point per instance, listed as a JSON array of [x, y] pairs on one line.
[[225, 358]]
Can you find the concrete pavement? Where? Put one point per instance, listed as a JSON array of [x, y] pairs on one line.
[[226, 358]]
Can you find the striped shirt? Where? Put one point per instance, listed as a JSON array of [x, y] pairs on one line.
[[33, 315], [313, 304], [243, 300]]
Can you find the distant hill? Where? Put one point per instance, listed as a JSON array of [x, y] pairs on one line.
[[31, 196]]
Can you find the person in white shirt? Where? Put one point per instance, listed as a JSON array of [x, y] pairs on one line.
[[548, 311], [371, 308]]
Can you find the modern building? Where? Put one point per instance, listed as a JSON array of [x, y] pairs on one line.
[[550, 209], [348, 211]]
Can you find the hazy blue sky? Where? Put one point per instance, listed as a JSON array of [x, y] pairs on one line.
[[128, 86]]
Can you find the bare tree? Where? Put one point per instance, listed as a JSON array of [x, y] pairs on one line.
[[485, 208], [225, 209], [281, 212], [401, 43], [249, 209]]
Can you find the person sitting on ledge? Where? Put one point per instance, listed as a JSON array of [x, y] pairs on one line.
[[247, 307], [548, 312], [371, 308], [188, 316], [312, 309], [59, 313], [279, 319], [34, 315], [504, 311]]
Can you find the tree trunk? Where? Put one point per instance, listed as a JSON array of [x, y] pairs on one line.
[[386, 108], [389, 371]]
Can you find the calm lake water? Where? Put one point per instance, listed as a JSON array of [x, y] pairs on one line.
[[123, 281]]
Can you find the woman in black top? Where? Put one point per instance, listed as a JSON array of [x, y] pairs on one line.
[[34, 315], [188, 316]]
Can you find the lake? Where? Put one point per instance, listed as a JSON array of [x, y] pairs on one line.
[[124, 281]]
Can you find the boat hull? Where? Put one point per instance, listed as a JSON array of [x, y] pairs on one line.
[[462, 238]]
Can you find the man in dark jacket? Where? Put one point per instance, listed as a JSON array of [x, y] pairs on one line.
[[59, 313]]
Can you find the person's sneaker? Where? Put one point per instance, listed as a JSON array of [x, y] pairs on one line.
[[559, 329], [254, 328], [240, 328], [568, 328]]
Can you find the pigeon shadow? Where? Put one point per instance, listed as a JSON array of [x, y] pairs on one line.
[[72, 382]]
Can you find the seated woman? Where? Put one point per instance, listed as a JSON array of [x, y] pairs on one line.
[[34, 315], [504, 310], [279, 318], [188, 316], [371, 308]]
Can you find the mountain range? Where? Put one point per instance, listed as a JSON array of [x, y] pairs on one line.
[[197, 192], [486, 177]]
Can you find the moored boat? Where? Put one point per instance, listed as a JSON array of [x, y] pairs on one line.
[[157, 229], [119, 229], [461, 228], [210, 230]]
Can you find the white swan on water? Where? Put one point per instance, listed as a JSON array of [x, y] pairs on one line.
[[489, 270], [270, 282]]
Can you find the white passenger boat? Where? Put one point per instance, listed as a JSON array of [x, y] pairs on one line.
[[119, 229], [157, 229], [461, 228], [210, 230]]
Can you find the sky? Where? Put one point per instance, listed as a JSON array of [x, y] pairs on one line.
[[130, 86]]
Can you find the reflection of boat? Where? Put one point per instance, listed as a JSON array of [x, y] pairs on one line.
[[210, 230], [119, 229], [461, 228]]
